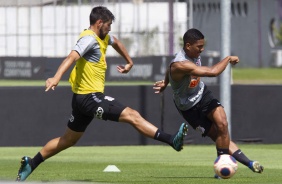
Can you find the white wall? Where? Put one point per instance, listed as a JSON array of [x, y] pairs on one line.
[[52, 31]]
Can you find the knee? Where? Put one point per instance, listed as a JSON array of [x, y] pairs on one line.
[[132, 116], [222, 126]]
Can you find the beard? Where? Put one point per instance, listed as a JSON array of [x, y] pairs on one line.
[[102, 34]]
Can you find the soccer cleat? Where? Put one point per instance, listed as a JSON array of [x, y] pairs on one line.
[[256, 167], [177, 142], [25, 169], [217, 177]]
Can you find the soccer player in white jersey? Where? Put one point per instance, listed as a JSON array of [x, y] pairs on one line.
[[195, 102]]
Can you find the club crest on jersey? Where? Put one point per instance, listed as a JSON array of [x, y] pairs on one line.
[[99, 113], [198, 61]]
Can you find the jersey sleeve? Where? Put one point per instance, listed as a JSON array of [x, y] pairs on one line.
[[111, 40], [84, 44]]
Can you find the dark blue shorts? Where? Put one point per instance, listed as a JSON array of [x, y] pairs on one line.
[[197, 115], [93, 105]]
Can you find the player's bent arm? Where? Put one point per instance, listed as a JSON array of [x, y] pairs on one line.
[[188, 68], [160, 86], [51, 83], [120, 48], [179, 69], [65, 65], [166, 80], [218, 68]]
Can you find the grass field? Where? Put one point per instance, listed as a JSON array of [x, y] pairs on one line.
[[147, 164], [142, 164], [257, 76]]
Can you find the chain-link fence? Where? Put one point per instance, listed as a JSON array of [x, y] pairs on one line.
[[51, 27]]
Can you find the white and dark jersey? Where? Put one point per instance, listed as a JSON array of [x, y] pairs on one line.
[[188, 91], [89, 48]]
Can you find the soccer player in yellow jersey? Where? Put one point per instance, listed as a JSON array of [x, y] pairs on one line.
[[87, 81]]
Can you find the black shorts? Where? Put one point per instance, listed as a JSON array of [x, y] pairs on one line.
[[197, 115], [86, 107]]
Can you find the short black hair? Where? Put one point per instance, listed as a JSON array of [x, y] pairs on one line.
[[100, 12], [192, 35]]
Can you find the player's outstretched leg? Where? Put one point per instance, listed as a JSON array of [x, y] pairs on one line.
[[179, 137], [25, 169], [256, 167]]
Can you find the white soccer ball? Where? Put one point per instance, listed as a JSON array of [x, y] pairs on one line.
[[225, 166]]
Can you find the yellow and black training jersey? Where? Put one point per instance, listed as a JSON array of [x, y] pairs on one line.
[[88, 75]]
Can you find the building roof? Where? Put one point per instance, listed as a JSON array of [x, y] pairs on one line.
[[27, 2], [60, 2]]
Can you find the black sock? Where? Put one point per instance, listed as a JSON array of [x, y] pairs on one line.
[[163, 137], [241, 157], [221, 151], [37, 159]]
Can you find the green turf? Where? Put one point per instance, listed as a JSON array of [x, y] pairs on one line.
[[257, 75], [142, 164]]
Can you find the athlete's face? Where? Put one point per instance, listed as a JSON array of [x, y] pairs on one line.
[[194, 50], [105, 29]]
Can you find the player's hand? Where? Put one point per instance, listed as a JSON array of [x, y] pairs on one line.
[[159, 86], [234, 60], [124, 69], [51, 83]]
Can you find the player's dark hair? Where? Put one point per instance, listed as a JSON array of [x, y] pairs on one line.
[[192, 35], [100, 12]]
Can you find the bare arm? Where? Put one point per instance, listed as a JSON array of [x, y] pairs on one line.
[[119, 47], [179, 69], [51, 83], [160, 86]]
